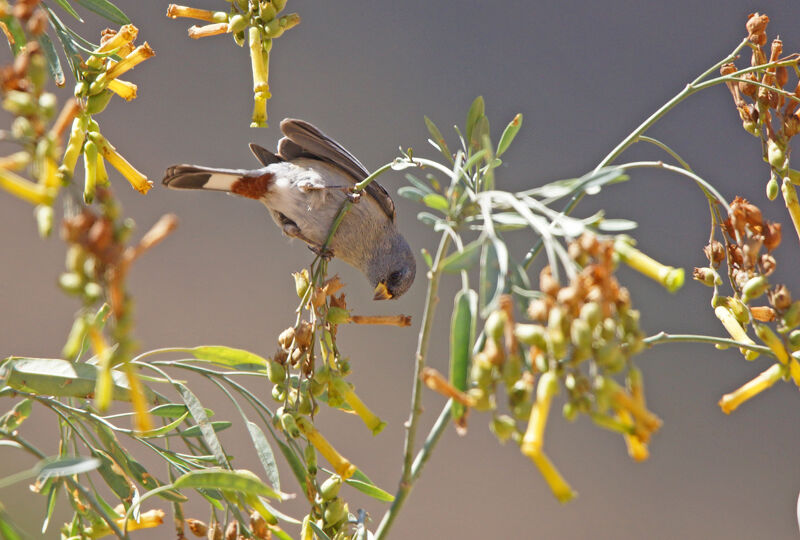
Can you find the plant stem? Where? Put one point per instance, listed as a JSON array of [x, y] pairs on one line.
[[663, 337], [430, 441], [407, 478]]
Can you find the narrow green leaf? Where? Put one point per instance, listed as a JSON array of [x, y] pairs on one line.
[[66, 466], [163, 430], [52, 495], [436, 201], [411, 193], [508, 134], [280, 533], [280, 515], [428, 219], [56, 377], [228, 356], [438, 139], [462, 337], [239, 481], [8, 531], [198, 412], [113, 476], [476, 111], [197, 430], [616, 225], [123, 458], [427, 256], [370, 489], [319, 532], [265, 454], [106, 9], [67, 41], [480, 133], [462, 260], [494, 267], [69, 9], [297, 466], [419, 184], [53, 63], [173, 410]]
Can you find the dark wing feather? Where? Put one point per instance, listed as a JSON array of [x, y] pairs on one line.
[[304, 140]]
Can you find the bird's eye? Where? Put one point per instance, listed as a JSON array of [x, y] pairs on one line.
[[394, 277]]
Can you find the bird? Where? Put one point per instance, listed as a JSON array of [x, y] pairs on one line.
[[303, 185]]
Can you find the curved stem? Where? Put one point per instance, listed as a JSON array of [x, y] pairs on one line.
[[665, 148], [407, 478], [663, 337]]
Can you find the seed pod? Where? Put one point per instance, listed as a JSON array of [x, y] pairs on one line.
[[310, 455], [238, 38], [753, 288], [570, 411], [791, 317], [259, 526], [531, 334], [75, 339], [276, 372], [301, 282], [503, 426], [484, 401], [581, 334], [794, 340], [286, 337], [279, 392], [197, 527], [495, 324], [92, 291], [772, 188], [70, 282], [592, 313], [289, 425], [232, 531], [330, 487], [99, 101], [776, 154], [707, 276], [335, 512]]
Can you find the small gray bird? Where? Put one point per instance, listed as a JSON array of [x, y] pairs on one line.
[[303, 186]]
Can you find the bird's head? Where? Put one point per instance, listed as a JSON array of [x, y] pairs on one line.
[[393, 269]]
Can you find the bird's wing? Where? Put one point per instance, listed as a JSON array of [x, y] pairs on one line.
[[304, 140]]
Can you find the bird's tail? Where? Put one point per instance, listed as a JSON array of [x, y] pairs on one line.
[[194, 177]]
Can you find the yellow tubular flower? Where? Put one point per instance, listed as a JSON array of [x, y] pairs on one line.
[[104, 385], [646, 421], [139, 181], [671, 278], [49, 178], [772, 341], [124, 89], [74, 146], [25, 189], [147, 520], [90, 171], [16, 161], [637, 449], [533, 439], [792, 204], [139, 55], [340, 464], [374, 423], [794, 370], [141, 419], [728, 320], [761, 382], [257, 60], [208, 30], [558, 485], [125, 35], [174, 11]]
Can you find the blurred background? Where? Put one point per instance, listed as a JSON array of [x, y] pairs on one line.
[[584, 74]]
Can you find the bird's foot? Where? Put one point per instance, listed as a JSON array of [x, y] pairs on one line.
[[319, 251]]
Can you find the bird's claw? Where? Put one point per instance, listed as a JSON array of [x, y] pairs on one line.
[[324, 253]]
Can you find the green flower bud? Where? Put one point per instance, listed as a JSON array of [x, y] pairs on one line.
[[519, 392], [512, 369], [522, 411], [776, 154], [238, 38], [44, 220], [791, 317], [337, 315], [772, 188], [75, 339], [220, 17], [19, 103], [754, 287], [335, 512], [495, 324], [81, 89], [289, 425], [267, 11], [279, 392], [581, 334], [794, 340], [92, 291], [592, 313], [48, 104], [610, 357], [481, 374], [70, 282], [305, 405], [330, 487], [21, 128], [276, 372], [484, 401], [570, 411], [531, 334], [99, 101], [503, 426]]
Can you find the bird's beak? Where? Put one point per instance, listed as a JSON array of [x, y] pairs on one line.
[[381, 292]]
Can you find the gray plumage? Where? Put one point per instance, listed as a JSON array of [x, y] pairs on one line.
[[303, 186]]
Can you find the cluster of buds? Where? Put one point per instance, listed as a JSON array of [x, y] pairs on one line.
[[256, 20], [98, 81], [260, 528], [98, 261], [767, 110], [749, 241], [582, 334], [22, 84]]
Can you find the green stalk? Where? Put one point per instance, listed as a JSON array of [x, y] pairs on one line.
[[408, 475]]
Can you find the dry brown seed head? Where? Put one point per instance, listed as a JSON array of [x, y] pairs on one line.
[[547, 284], [286, 337], [772, 235], [780, 297], [539, 308], [751, 250], [756, 26], [791, 125], [196, 527], [715, 252], [280, 356], [259, 525], [748, 89], [303, 335], [781, 76], [232, 531], [768, 264]]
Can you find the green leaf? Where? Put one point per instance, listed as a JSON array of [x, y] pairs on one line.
[[462, 260], [198, 412], [238, 481], [462, 337], [419, 184], [173, 410], [265, 454], [616, 225], [280, 533], [319, 532], [66, 466], [16, 32], [69, 9], [438, 139], [368, 488], [412, 193], [113, 476], [297, 466], [56, 377], [228, 356], [427, 256], [197, 430], [67, 41], [428, 219], [52, 495], [475, 113], [105, 9], [508, 134], [480, 133], [8, 531], [436, 201], [494, 267], [53, 63], [163, 430]]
